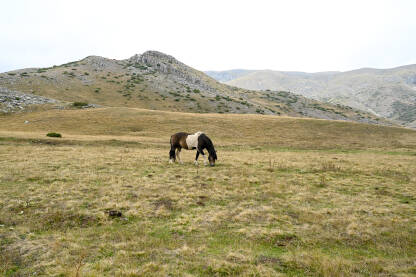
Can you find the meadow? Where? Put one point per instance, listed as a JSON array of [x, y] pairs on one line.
[[288, 196]]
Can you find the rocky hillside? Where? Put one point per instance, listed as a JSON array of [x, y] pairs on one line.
[[154, 80], [389, 93]]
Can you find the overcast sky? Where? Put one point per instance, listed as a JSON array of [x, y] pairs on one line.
[[212, 35]]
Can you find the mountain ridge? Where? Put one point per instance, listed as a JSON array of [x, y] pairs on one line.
[[154, 80], [389, 93]]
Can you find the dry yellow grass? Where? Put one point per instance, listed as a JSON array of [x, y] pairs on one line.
[[226, 129], [302, 201]]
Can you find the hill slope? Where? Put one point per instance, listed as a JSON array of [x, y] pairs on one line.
[[154, 80], [230, 129], [390, 93]]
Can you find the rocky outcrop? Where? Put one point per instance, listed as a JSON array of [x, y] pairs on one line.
[[11, 100], [165, 64], [99, 63]]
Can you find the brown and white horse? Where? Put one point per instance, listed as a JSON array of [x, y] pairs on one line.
[[198, 141]]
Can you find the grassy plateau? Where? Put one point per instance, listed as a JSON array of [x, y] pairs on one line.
[[288, 196]]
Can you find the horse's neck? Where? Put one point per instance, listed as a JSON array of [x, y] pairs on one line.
[[209, 148]]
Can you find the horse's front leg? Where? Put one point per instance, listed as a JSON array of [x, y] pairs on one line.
[[203, 156], [196, 158]]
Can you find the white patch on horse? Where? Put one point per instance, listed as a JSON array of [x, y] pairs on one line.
[[192, 140]]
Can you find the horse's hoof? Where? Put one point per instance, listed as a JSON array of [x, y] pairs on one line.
[[170, 161], [195, 163]]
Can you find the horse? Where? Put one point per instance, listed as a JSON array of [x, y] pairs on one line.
[[198, 141]]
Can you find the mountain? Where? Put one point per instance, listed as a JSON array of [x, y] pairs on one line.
[[389, 93], [154, 80], [224, 76]]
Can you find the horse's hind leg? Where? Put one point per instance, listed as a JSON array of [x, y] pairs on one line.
[[178, 154], [172, 156]]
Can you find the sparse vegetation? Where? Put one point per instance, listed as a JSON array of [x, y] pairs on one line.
[[141, 67], [128, 80], [79, 104]]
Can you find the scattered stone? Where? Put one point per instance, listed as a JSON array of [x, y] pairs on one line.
[[166, 202], [271, 260], [201, 200], [114, 213]]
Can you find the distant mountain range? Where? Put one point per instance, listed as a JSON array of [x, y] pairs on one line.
[[389, 93], [154, 80]]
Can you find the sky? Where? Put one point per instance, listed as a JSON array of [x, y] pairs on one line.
[[292, 35]]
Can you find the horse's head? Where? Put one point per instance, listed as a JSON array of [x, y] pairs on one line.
[[212, 157]]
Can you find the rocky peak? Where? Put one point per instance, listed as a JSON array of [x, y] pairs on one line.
[[166, 64], [98, 62], [151, 55], [158, 61]]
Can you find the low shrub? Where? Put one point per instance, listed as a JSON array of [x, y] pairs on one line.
[[79, 104], [54, 135]]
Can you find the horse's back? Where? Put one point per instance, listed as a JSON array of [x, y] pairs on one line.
[[175, 139], [185, 140]]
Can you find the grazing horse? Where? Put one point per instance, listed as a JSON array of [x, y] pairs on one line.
[[198, 141]]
